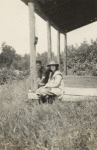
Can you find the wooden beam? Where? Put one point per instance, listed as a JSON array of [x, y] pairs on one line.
[[65, 55], [58, 47], [32, 47], [49, 41]]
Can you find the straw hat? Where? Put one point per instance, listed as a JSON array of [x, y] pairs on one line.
[[53, 63]]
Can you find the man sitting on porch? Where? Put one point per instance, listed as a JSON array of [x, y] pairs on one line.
[[40, 70], [45, 77], [42, 74]]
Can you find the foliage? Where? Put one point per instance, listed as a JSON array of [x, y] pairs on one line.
[[44, 58], [7, 55], [22, 64], [11, 63], [9, 75], [81, 60]]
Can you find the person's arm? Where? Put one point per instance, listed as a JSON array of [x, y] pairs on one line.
[[56, 83], [43, 71], [38, 80], [41, 82], [45, 77]]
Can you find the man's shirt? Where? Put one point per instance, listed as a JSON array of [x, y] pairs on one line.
[[45, 77], [40, 72]]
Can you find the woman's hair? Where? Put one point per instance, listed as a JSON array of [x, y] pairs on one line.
[[57, 67]]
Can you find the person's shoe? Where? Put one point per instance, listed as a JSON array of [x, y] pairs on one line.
[[50, 101], [47, 98]]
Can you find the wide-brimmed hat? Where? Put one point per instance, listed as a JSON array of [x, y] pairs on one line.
[[53, 63]]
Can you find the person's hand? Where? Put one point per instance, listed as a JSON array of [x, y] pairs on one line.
[[41, 83], [38, 80], [46, 86]]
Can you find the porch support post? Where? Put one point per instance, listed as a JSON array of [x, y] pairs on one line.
[[32, 47], [49, 44], [58, 48], [65, 55]]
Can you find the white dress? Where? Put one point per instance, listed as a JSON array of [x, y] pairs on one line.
[[50, 88]]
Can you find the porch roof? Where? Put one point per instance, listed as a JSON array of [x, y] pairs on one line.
[[66, 15]]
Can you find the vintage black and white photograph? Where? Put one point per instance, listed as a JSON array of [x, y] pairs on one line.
[[48, 74]]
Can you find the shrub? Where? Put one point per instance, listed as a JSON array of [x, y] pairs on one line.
[[8, 75]]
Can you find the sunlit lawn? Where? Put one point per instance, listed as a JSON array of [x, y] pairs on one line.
[[57, 126]]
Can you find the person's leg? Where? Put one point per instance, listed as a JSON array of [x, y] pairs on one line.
[[42, 93], [56, 93], [38, 91]]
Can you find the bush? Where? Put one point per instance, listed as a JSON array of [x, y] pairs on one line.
[[8, 75]]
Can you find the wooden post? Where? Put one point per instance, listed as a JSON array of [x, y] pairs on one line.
[[49, 41], [65, 55], [58, 48], [32, 47]]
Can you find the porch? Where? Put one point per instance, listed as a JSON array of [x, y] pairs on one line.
[[64, 16]]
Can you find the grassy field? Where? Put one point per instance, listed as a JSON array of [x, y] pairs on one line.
[[58, 126]]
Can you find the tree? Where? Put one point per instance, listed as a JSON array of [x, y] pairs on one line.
[[43, 57], [7, 55]]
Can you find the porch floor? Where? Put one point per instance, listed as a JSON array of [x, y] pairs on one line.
[[80, 91], [77, 98], [80, 81], [77, 86]]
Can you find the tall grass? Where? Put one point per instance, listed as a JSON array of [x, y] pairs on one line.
[[57, 126]]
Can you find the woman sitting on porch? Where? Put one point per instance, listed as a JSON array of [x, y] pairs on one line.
[[54, 85]]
